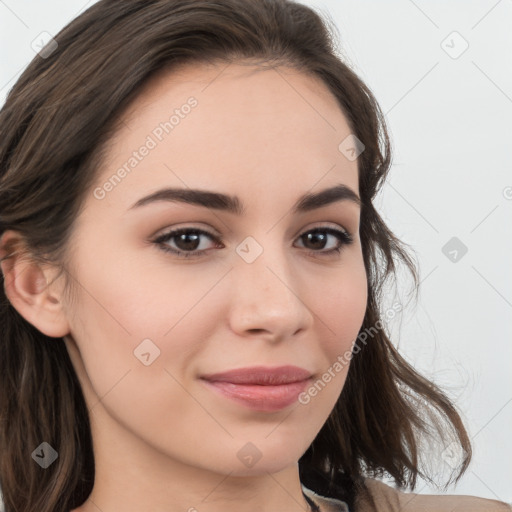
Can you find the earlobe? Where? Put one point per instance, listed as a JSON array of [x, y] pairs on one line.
[[26, 287]]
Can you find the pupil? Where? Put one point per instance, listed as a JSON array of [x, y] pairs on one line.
[[187, 244], [316, 237]]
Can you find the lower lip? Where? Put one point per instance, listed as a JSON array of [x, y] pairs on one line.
[[261, 398]]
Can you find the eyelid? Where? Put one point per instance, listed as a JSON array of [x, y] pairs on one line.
[[325, 224], [206, 226], [215, 234]]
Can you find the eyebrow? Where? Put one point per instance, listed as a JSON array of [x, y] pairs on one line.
[[232, 204]]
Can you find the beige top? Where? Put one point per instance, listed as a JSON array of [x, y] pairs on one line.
[[388, 499]]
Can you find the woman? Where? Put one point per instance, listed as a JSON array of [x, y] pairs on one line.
[[192, 267]]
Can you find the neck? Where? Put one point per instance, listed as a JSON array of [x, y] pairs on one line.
[[132, 476]]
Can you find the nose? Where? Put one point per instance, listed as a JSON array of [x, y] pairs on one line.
[[267, 299]]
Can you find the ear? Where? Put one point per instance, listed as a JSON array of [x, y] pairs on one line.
[[26, 287]]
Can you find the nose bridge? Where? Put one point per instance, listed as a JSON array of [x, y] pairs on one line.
[[266, 291]]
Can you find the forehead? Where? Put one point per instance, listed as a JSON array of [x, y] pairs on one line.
[[229, 125]]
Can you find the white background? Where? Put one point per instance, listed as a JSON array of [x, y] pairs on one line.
[[450, 123]]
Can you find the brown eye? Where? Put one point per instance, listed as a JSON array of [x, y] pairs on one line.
[[186, 240], [318, 238]]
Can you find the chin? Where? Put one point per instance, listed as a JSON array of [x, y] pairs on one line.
[[269, 455], [245, 458], [264, 466]]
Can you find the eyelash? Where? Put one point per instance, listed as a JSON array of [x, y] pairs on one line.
[[344, 237]]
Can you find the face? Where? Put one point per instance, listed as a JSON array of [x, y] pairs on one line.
[[184, 286]]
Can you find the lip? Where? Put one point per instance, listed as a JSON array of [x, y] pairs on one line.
[[262, 375], [259, 387]]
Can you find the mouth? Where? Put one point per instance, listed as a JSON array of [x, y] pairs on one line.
[[260, 388]]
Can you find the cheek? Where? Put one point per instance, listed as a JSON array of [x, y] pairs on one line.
[[132, 312], [138, 336], [341, 306]]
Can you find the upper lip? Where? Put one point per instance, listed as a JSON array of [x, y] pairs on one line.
[[261, 375]]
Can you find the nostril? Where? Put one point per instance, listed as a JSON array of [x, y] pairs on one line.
[[256, 331]]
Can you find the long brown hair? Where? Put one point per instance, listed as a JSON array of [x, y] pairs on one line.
[[54, 128]]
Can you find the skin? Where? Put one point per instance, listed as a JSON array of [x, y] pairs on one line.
[[163, 441]]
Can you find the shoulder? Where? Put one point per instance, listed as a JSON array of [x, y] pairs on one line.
[[389, 499], [324, 503]]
